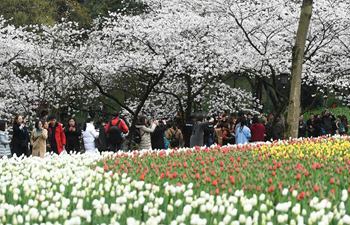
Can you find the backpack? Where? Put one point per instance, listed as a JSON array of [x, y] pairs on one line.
[[174, 141], [115, 134]]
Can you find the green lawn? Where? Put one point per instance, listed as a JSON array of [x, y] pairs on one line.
[[336, 111]]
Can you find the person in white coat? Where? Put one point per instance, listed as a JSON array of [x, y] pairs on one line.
[[89, 135], [4, 140], [145, 132]]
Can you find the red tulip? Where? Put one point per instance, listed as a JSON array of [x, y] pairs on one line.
[[105, 167], [215, 183], [270, 180], [197, 176], [298, 176], [185, 164], [232, 179], [331, 180], [142, 176], [301, 196], [316, 188], [271, 189], [174, 175], [332, 191]]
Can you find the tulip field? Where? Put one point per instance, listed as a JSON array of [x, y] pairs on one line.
[[292, 182]]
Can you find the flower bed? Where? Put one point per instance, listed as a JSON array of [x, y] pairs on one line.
[[300, 181]]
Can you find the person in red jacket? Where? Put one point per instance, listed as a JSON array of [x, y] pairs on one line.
[[57, 137], [258, 130], [115, 138]]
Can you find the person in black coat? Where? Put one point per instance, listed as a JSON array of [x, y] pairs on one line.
[[102, 140], [73, 136], [302, 127], [20, 138], [157, 137]]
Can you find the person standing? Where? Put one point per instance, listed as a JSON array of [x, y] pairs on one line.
[[344, 120], [115, 131], [101, 141], [20, 137], [219, 139], [38, 139], [278, 128], [73, 135], [302, 127], [327, 122], [310, 123], [340, 126], [4, 140], [209, 133], [157, 137], [269, 127], [175, 137], [90, 134], [197, 137], [257, 130], [243, 133], [57, 137], [146, 128]]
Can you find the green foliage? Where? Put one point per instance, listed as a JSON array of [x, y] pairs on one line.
[[336, 111], [102, 7], [72, 10], [25, 12]]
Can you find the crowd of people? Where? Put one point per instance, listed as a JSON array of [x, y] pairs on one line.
[[51, 136]]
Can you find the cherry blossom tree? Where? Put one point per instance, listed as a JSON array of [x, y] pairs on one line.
[[35, 74]]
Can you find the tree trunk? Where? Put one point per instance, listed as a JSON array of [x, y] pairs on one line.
[[297, 64]]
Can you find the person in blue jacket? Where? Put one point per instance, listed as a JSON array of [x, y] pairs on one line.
[[243, 133]]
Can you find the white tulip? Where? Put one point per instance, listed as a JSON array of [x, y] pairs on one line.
[[283, 207], [346, 219], [285, 192], [242, 218], [262, 197], [282, 218], [304, 212], [249, 221], [263, 208], [34, 213], [20, 219], [227, 219], [296, 209], [344, 195], [132, 221], [247, 208], [170, 208], [189, 199], [295, 193], [187, 210], [222, 209], [215, 209]]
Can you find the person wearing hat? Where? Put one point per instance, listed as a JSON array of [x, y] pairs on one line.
[[57, 137]]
